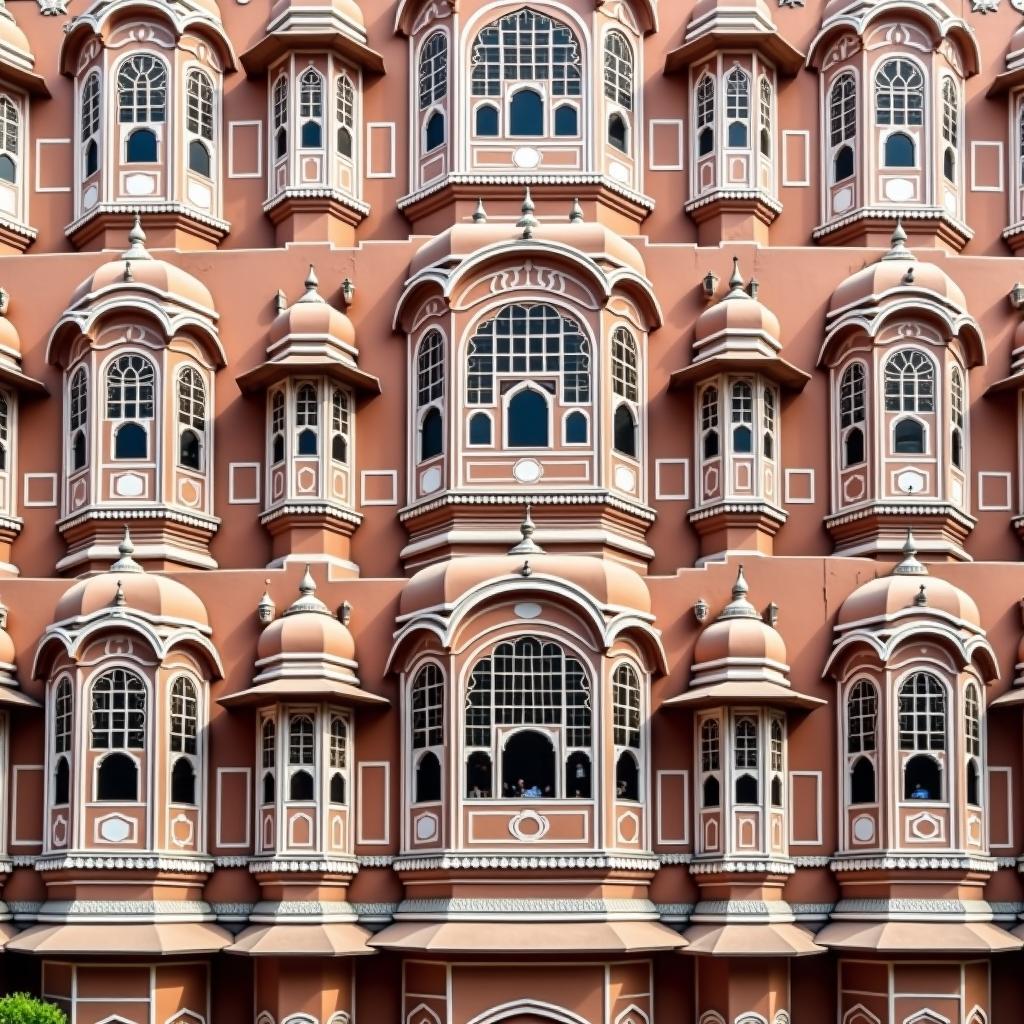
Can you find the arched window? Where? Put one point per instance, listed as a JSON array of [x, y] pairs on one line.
[[626, 707], [768, 422], [576, 428], [909, 382], [950, 127], [625, 362], [842, 113], [5, 431], [277, 427], [899, 150], [745, 760], [532, 686], [741, 416], [183, 782], [430, 369], [776, 759], [737, 107], [972, 738], [618, 70], [852, 413], [627, 776], [268, 758], [908, 437], [427, 702], [956, 409], [199, 120], [526, 113], [191, 417], [486, 120], [280, 117], [480, 429], [618, 133], [10, 131], [709, 423], [710, 762], [62, 782], [899, 93], [861, 718], [705, 115], [301, 757], [62, 711], [431, 434], [345, 115], [78, 416], [339, 425], [433, 72], [922, 725], [428, 778], [434, 131], [184, 724], [624, 431], [142, 90], [528, 420], [862, 782], [118, 711], [526, 342], [90, 124], [117, 778], [130, 381], [766, 117], [311, 109], [307, 418], [338, 759]]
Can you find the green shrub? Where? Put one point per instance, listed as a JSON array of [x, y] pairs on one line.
[[21, 1008]]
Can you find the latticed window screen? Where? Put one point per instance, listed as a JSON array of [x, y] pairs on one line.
[[142, 90], [899, 93], [345, 113], [745, 744], [199, 108], [737, 95], [338, 745], [428, 708], [430, 368], [705, 101], [775, 749], [526, 46], [842, 109], [861, 718], [191, 398], [710, 746], [118, 711], [709, 409], [281, 102], [300, 740], [742, 404], [766, 106], [130, 388], [91, 106], [922, 703], [62, 718], [624, 365], [311, 94], [956, 388], [268, 744], [626, 708], [277, 413], [9, 121], [909, 382], [306, 406], [768, 413], [527, 341], [618, 70], [79, 400], [950, 112], [851, 396], [972, 721], [433, 78], [184, 716]]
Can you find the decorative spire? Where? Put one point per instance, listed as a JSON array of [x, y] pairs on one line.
[[576, 212], [527, 546], [480, 214], [119, 598], [898, 244], [921, 598], [307, 600], [266, 609], [126, 563], [527, 222], [312, 284], [739, 607], [909, 566], [736, 278], [136, 242]]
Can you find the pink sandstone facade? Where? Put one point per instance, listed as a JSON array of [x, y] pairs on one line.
[[512, 512]]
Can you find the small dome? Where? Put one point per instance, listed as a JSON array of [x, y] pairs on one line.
[[908, 587], [313, 317], [307, 628], [7, 650], [347, 10], [14, 43], [739, 312], [127, 586], [739, 632]]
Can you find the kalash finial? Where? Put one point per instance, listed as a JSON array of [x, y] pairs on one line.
[[126, 549], [736, 289], [136, 242], [898, 244], [312, 285], [909, 565], [527, 546], [527, 222], [739, 607], [307, 600], [480, 214], [576, 212]]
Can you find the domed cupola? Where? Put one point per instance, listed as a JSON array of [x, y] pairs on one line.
[[312, 385], [899, 345], [139, 348], [737, 375]]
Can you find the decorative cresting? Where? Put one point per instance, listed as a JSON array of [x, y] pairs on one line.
[[733, 55], [305, 692], [899, 344], [19, 85], [736, 376], [536, 93], [139, 347], [315, 57], [525, 700], [911, 665], [312, 384], [148, 77], [527, 347], [892, 95]]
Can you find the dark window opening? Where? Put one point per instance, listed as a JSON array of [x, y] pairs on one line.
[[711, 792], [862, 782], [199, 158], [337, 788], [526, 113], [627, 777], [300, 786], [487, 120], [183, 782], [711, 444], [567, 122], [62, 782], [738, 134], [769, 445], [843, 163], [8, 171], [705, 142], [479, 428], [776, 791], [576, 428], [428, 778], [435, 130], [746, 789], [117, 778], [625, 431], [479, 778], [189, 449], [92, 158], [280, 143], [339, 448], [312, 135], [922, 778], [130, 442], [528, 763], [577, 776], [766, 142], [268, 788], [908, 437], [528, 420], [307, 442], [141, 148], [957, 449], [618, 133], [973, 783], [899, 150], [430, 435], [853, 447], [345, 142], [742, 441], [78, 450], [949, 164]]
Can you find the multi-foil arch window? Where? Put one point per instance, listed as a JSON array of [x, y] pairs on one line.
[[277, 427], [618, 89], [626, 388], [183, 733], [426, 727], [627, 730], [910, 394], [842, 126], [741, 417], [922, 736], [746, 759], [268, 761], [973, 745], [78, 419], [118, 726], [307, 420], [525, 361], [765, 134], [710, 441], [130, 400], [340, 425], [776, 759], [10, 140], [142, 103], [433, 89], [199, 122], [279, 116], [950, 127], [705, 108], [862, 741], [337, 750], [711, 763], [528, 715], [191, 418], [345, 116], [91, 124], [430, 372], [301, 757], [63, 709], [899, 105], [737, 108], [957, 421], [526, 78], [311, 109], [852, 414]]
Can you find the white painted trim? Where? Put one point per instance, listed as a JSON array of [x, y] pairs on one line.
[[392, 473], [218, 841], [232, 173], [677, 123], [975, 146], [817, 776], [361, 840], [788, 499], [17, 840], [1008, 504], [388, 126], [39, 161], [684, 840], [50, 502], [233, 498], [805, 181], [661, 495]]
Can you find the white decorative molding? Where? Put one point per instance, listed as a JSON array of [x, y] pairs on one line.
[[794, 474], [219, 840], [387, 127], [1004, 503], [662, 124], [28, 483], [664, 493], [64, 161], [790, 179], [232, 127], [238, 495], [367, 474], [997, 185], [818, 813]]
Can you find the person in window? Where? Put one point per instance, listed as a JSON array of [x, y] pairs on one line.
[[476, 792], [621, 791], [533, 790], [920, 792]]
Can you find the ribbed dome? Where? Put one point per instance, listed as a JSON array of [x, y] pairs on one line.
[[126, 586], [312, 316], [739, 632], [738, 312]]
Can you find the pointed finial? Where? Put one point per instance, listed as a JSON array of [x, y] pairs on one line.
[[898, 244], [740, 588], [119, 598], [312, 285], [136, 242], [921, 598], [125, 551], [307, 601], [736, 279], [909, 566], [527, 222], [527, 546], [739, 607], [307, 585], [576, 212], [266, 609], [480, 214]]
